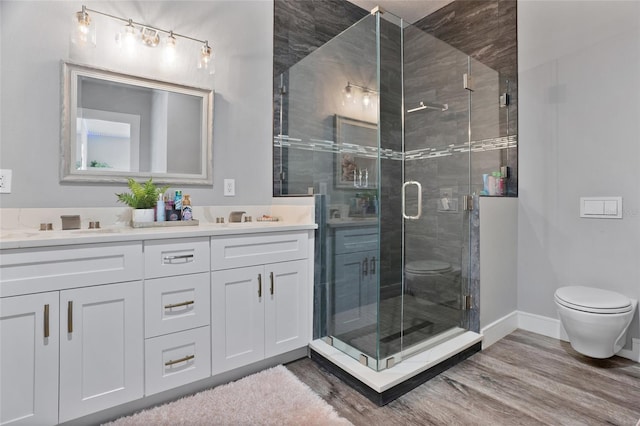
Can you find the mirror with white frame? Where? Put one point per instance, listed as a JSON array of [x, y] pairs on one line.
[[116, 126]]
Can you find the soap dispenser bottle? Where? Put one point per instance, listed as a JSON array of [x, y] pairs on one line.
[[187, 213]]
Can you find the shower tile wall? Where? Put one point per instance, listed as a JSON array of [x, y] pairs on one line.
[[487, 31], [300, 27]]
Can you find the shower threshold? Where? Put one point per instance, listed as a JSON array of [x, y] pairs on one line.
[[384, 386]]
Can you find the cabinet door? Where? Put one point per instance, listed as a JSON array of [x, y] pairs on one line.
[[29, 339], [237, 317], [354, 295], [287, 325], [349, 283], [101, 349]]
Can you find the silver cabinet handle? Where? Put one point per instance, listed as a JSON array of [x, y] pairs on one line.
[[365, 267], [373, 265], [70, 317], [404, 196], [271, 276], [181, 258], [177, 305], [46, 320], [177, 361]]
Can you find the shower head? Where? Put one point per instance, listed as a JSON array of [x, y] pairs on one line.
[[422, 106]]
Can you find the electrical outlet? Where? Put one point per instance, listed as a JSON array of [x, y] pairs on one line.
[[5, 181], [229, 187]]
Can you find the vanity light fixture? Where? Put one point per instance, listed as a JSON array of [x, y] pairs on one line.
[[134, 32], [367, 93]]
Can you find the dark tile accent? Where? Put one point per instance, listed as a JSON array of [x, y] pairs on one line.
[[400, 389]]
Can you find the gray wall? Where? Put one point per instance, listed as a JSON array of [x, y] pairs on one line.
[[241, 35], [579, 126]]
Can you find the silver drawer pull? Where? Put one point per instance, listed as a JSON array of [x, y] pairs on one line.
[[181, 258], [178, 361], [177, 305]]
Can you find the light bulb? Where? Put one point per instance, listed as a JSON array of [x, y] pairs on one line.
[[126, 39], [83, 33], [366, 99], [129, 34], [170, 48], [347, 91], [205, 61]]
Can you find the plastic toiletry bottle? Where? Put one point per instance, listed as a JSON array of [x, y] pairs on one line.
[[499, 183], [160, 216], [187, 213], [178, 200], [491, 184]]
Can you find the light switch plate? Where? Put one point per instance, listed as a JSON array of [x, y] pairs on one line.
[[601, 207]]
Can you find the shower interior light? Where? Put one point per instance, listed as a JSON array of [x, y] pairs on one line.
[[135, 32]]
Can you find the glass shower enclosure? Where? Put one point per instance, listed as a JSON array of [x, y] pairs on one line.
[[381, 124]]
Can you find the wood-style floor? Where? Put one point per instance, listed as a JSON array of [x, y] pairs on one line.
[[524, 379]]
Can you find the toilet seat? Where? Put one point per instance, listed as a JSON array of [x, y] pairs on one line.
[[593, 300], [427, 267]]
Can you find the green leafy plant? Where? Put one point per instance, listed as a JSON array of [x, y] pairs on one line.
[[141, 196]]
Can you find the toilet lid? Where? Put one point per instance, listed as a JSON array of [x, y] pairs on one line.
[[589, 299], [427, 267]]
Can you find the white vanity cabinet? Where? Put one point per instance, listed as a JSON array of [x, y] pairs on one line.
[[101, 351], [260, 297], [89, 326], [29, 359], [95, 327], [177, 312]]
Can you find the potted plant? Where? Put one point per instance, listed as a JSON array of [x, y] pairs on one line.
[[142, 199]]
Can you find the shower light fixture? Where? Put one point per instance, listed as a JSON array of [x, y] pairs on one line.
[[134, 32]]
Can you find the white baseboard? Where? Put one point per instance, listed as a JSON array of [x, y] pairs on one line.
[[550, 327], [633, 353], [498, 329]]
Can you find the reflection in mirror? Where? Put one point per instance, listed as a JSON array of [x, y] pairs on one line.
[[357, 145], [116, 126]]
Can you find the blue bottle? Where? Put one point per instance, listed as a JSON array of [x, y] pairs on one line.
[[160, 217]]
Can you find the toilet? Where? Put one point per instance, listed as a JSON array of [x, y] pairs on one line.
[[433, 281], [595, 320]]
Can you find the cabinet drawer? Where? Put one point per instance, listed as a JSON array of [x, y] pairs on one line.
[[247, 250], [177, 359], [165, 258], [176, 303], [37, 270], [353, 240]]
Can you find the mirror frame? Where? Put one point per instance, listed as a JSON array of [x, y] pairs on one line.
[[69, 94]]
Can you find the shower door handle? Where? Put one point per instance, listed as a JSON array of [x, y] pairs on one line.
[[404, 196]]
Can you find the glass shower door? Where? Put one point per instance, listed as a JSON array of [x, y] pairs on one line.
[[435, 174]]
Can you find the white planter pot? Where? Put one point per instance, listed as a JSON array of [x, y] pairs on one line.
[[143, 215]]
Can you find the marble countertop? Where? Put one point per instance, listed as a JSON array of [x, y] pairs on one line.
[[30, 238]]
